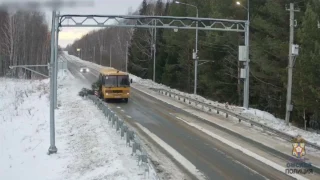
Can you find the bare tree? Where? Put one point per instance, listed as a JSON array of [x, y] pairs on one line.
[[95, 46], [24, 40]]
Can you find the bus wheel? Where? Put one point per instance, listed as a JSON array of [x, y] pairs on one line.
[[126, 100]]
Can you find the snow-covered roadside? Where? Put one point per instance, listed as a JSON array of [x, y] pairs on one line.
[[24, 132], [254, 114], [88, 148]]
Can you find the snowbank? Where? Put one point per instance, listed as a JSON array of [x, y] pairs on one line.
[[88, 148], [254, 114], [24, 131]]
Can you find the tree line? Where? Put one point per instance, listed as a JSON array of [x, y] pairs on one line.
[[220, 80], [99, 46], [24, 40]]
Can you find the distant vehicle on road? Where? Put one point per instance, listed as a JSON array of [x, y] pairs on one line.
[[114, 84], [84, 69]]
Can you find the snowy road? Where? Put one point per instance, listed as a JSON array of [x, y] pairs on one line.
[[215, 159]]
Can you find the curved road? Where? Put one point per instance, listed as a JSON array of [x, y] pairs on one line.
[[213, 158]]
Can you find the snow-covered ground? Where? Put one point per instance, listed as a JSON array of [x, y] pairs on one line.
[[254, 114], [88, 147]]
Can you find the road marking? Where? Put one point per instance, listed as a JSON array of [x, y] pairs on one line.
[[129, 116], [122, 110], [118, 107], [245, 151], [175, 154], [180, 118], [177, 117]]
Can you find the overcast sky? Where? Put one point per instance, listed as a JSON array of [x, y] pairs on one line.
[[107, 7]]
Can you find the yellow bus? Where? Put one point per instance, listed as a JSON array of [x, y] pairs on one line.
[[115, 84]]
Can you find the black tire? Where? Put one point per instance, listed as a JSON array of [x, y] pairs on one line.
[[126, 100]]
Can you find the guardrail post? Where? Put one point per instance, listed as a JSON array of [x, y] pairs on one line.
[[111, 119], [108, 113], [110, 116], [146, 170], [143, 158], [124, 129], [136, 146], [114, 120], [100, 105], [105, 112], [119, 124], [130, 136]]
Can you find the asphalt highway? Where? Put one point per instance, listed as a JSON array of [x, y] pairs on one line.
[[214, 159]]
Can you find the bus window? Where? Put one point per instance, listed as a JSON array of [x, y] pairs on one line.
[[123, 81], [110, 81]]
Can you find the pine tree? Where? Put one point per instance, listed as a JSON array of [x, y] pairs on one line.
[[306, 72], [139, 51]]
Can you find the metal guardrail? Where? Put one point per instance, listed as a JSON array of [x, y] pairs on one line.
[[228, 112], [124, 132]]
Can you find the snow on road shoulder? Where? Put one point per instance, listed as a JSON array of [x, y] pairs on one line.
[[96, 149], [253, 114], [88, 148]]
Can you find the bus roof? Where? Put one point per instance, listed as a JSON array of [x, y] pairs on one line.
[[112, 71]]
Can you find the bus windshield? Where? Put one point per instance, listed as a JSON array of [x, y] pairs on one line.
[[117, 81], [123, 81]]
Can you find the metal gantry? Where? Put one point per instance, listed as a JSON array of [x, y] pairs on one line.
[[163, 22]]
